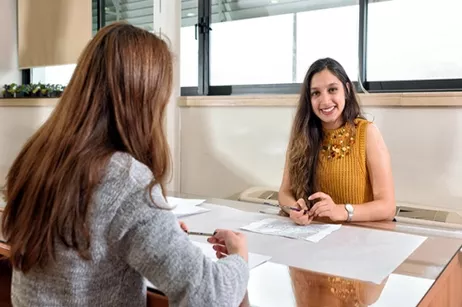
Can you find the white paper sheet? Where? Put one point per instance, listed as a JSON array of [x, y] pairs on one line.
[[185, 210], [184, 201], [254, 259], [286, 228], [186, 206], [351, 252]]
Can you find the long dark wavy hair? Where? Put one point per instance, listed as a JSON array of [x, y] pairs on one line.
[[115, 101], [307, 134]]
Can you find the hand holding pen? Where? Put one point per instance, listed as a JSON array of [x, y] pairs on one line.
[[228, 242], [297, 209], [225, 242], [183, 226], [300, 213]]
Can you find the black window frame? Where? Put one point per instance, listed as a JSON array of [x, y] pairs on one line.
[[204, 88], [203, 28]]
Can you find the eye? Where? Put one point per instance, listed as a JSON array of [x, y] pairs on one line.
[[332, 90], [314, 94]]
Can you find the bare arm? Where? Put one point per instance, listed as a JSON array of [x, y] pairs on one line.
[[379, 166]]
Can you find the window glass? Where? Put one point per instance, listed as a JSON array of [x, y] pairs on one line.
[[414, 40]]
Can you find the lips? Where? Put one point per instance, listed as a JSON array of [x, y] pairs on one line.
[[327, 111]]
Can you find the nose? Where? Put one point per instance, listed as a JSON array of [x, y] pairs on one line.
[[324, 99]]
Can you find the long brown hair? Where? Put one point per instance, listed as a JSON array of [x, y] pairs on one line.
[[115, 101], [307, 134]]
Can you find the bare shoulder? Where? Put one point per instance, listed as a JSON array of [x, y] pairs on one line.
[[373, 132], [375, 141]]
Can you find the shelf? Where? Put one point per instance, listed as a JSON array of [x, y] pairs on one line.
[[433, 99], [28, 102]]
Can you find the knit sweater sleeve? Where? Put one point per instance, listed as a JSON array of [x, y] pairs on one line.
[[150, 240]]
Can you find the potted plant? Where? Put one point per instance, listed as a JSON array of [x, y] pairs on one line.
[[57, 90], [22, 91], [9, 90], [35, 90], [39, 90]]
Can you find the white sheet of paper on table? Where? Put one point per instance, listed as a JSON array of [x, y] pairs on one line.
[[184, 201], [286, 228], [186, 206], [254, 259], [185, 210]]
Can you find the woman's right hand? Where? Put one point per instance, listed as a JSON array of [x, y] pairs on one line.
[[300, 217], [227, 242]]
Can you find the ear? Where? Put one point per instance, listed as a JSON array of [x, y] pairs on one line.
[[348, 89]]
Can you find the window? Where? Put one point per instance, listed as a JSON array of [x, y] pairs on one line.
[[267, 42], [414, 40], [266, 46], [60, 74], [319, 36], [189, 53], [139, 13], [252, 51]]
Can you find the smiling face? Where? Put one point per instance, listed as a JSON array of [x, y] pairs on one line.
[[327, 97]]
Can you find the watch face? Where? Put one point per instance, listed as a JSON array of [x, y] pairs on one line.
[[349, 208]]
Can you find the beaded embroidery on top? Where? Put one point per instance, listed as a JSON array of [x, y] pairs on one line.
[[337, 143]]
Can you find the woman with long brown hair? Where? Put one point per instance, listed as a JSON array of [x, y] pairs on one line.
[[337, 164], [86, 215]]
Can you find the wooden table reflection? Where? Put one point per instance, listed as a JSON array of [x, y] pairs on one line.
[[314, 290]]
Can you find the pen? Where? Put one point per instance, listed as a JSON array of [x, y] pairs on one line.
[[305, 211], [195, 233]]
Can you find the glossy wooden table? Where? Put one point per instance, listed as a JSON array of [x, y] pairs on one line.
[[429, 277]]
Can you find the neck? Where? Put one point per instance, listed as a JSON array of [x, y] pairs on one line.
[[333, 125]]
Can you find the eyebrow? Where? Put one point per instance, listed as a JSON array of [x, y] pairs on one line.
[[331, 84]]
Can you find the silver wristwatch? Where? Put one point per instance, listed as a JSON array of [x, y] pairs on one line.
[[349, 208]]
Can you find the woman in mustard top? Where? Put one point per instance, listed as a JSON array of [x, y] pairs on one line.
[[337, 164]]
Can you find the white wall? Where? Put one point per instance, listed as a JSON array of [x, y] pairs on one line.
[[225, 150], [17, 124], [9, 72]]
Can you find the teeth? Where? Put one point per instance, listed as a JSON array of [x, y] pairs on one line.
[[328, 110]]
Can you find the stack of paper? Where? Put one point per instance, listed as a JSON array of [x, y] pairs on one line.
[[287, 228], [185, 206]]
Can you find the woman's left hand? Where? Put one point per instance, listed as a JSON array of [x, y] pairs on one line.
[[325, 207], [183, 226]]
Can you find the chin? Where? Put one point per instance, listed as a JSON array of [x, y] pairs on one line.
[[331, 121], [331, 118]]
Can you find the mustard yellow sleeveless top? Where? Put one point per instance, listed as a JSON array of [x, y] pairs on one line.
[[342, 170]]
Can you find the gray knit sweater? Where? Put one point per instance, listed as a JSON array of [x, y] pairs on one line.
[[132, 238]]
